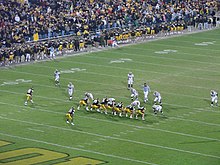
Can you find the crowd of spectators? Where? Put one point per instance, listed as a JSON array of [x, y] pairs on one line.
[[25, 21]]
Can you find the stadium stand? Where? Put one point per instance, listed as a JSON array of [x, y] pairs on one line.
[[81, 24]]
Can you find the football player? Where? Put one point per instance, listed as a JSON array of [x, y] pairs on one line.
[[129, 110], [136, 103], [29, 96], [70, 90], [130, 80], [111, 104], [95, 105], [157, 108], [140, 111], [146, 90], [89, 95], [134, 94], [214, 98], [104, 104], [118, 109], [69, 116], [57, 77], [83, 102], [158, 98]]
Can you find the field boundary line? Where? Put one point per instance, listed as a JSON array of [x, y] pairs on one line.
[[115, 138], [75, 148]]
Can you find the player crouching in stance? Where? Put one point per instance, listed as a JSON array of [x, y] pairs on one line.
[[57, 77], [158, 98], [29, 96], [95, 105], [103, 105], [111, 104], [118, 109], [69, 116], [214, 98], [134, 94], [157, 108], [129, 110], [85, 101], [140, 111]]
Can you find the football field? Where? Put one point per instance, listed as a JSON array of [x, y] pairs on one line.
[[182, 68]]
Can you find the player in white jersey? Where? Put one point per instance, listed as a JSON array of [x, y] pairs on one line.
[[134, 94], [158, 98], [89, 95], [130, 80], [136, 103], [57, 77], [70, 89], [146, 90], [52, 52], [157, 108], [214, 98]]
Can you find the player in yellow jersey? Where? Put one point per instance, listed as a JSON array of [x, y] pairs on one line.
[[69, 116], [140, 111], [95, 105], [118, 109], [29, 96]]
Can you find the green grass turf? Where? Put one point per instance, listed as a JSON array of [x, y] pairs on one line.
[[187, 133]]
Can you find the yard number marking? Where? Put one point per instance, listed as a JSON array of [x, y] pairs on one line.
[[40, 155]]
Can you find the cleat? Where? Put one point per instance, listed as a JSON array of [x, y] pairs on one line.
[[72, 124], [67, 122]]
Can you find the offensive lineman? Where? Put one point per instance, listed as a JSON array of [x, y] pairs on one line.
[[158, 98]]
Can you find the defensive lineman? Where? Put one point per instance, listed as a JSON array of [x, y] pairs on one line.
[[158, 98], [130, 80], [214, 98], [157, 108], [134, 94]]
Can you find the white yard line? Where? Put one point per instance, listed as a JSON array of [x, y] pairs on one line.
[[176, 53], [77, 149], [37, 130], [93, 134], [118, 139]]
